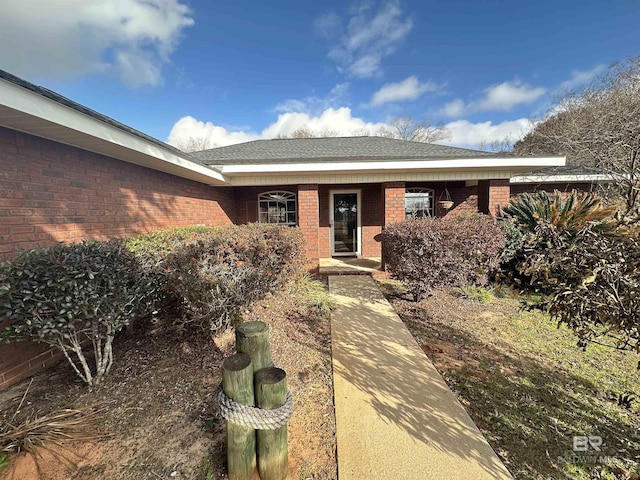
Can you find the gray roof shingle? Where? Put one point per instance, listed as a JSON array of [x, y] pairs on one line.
[[332, 149]]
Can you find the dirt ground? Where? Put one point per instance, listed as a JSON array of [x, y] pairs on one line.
[[158, 412]]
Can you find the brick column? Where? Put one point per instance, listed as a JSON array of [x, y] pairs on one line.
[[393, 202], [308, 220], [492, 195]]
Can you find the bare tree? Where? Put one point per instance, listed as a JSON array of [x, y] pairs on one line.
[[195, 144], [306, 132], [408, 128], [598, 126], [503, 145]]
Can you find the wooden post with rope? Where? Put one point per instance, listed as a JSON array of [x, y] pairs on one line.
[[237, 384], [252, 338], [271, 393]]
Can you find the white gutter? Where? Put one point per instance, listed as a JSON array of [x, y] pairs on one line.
[[511, 163], [48, 114], [562, 178]]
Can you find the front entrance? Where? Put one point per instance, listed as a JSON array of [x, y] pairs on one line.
[[345, 222]]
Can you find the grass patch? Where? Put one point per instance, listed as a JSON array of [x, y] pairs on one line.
[[313, 294], [477, 294], [530, 389]]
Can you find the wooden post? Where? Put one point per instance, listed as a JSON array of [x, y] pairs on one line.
[[237, 383], [271, 392], [253, 338]]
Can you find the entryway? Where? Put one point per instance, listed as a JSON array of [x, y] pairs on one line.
[[346, 223]]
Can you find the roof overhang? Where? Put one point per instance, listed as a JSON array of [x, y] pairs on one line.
[[533, 178], [380, 171], [28, 112]]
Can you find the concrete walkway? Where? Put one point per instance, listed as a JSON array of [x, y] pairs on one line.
[[395, 416]]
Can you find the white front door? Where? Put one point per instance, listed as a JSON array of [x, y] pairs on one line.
[[346, 228]]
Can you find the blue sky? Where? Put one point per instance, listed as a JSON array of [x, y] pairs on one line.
[[241, 70]]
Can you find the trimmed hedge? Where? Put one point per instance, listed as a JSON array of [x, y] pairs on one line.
[[432, 252], [217, 275]]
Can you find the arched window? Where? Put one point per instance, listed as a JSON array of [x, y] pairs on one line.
[[277, 207], [418, 202]]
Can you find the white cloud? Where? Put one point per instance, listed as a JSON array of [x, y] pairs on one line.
[[132, 39], [500, 97], [315, 105], [455, 108], [507, 95], [579, 78], [188, 127], [339, 120], [360, 46], [471, 135], [408, 89]]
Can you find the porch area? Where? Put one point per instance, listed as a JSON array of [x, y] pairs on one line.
[[349, 266]]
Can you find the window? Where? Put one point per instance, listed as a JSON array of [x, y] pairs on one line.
[[277, 207], [418, 203]]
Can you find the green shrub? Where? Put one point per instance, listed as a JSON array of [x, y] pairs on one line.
[[432, 252], [592, 282], [514, 239], [75, 294], [151, 250], [571, 212], [216, 276]]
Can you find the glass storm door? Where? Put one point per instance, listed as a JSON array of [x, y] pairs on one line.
[[345, 223]]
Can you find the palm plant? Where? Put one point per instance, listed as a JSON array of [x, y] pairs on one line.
[[570, 213]]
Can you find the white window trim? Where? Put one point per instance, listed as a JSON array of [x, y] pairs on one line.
[[430, 191], [264, 197]]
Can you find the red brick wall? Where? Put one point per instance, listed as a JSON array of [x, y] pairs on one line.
[[465, 199], [51, 192], [308, 219], [493, 194], [246, 199], [394, 210]]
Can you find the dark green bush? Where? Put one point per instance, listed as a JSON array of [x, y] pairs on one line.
[[592, 283], [73, 295], [216, 276], [433, 252], [514, 239]]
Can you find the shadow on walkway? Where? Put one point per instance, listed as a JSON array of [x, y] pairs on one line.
[[396, 417]]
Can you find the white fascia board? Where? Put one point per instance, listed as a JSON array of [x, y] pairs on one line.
[[562, 178], [32, 104], [511, 163]]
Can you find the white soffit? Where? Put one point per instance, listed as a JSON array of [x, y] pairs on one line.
[[28, 112], [513, 164], [562, 178]]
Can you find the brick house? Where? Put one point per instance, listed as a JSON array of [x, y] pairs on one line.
[[69, 173]]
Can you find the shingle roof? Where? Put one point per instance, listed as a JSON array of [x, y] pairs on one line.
[[333, 149]]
